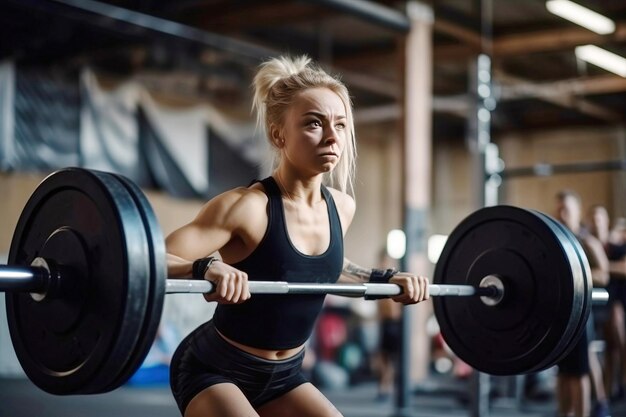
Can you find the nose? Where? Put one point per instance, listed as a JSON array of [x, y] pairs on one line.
[[330, 135]]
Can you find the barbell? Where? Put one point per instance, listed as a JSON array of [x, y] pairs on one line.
[[86, 279]]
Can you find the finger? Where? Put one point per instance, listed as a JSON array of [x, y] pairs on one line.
[[236, 288], [231, 287], [245, 287], [423, 288], [222, 288], [419, 289]]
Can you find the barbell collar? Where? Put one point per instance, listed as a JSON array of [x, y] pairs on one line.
[[599, 296]]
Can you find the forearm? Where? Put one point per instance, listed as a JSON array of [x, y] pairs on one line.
[[178, 267], [352, 272], [600, 277], [618, 268]]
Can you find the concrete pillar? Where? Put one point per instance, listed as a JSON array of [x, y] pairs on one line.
[[417, 123]]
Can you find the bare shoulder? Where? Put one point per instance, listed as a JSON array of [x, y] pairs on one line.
[[233, 206], [346, 206]]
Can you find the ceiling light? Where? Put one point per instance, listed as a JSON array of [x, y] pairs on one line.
[[581, 15], [602, 58]]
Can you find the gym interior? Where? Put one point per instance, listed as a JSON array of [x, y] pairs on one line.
[[458, 105]]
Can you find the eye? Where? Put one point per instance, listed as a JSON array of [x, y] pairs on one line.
[[340, 126], [314, 123]]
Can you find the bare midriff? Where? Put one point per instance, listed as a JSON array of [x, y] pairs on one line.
[[271, 355]]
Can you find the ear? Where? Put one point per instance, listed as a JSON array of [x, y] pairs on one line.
[[276, 136]]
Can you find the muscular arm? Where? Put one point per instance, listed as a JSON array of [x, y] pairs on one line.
[[222, 221], [212, 228], [230, 223]]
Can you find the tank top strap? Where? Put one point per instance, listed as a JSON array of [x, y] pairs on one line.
[[275, 208], [335, 222]]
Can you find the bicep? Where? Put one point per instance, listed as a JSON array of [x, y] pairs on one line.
[[195, 240]]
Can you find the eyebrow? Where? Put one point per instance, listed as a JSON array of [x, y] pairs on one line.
[[321, 115]]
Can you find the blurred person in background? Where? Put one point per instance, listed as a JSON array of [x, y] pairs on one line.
[[581, 367], [614, 245]]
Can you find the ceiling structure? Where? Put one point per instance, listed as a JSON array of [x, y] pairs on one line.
[[209, 48]]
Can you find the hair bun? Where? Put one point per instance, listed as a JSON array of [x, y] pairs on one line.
[[271, 72]]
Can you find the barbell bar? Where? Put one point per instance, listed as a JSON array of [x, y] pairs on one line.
[[87, 277], [37, 280]]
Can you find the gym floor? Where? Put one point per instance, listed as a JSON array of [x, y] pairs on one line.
[[19, 398]]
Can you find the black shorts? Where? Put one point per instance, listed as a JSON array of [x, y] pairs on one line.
[[390, 336], [576, 363], [204, 359]]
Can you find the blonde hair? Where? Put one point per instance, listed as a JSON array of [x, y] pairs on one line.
[[277, 82]]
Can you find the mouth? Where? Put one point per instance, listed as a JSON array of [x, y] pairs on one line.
[[328, 154]]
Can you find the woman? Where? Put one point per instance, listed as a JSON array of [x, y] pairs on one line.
[[289, 227], [615, 331]]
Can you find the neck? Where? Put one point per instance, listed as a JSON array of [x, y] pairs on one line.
[[298, 189]]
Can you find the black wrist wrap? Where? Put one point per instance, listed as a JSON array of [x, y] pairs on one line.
[[380, 276], [200, 266]]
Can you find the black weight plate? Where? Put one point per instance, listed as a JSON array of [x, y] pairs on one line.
[[76, 343], [158, 276], [524, 331], [579, 282], [587, 284]]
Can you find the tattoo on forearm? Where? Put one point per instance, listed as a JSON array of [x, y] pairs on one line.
[[355, 271]]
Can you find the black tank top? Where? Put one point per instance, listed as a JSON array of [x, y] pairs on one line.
[[267, 321]]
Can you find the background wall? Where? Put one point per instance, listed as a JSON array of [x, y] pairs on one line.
[[560, 147]]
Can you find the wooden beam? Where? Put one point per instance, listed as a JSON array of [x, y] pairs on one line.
[[556, 39], [371, 83], [464, 34], [566, 100], [456, 105], [604, 84], [524, 43]]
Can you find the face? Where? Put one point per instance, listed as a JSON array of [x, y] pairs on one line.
[[568, 212], [314, 131], [599, 219]]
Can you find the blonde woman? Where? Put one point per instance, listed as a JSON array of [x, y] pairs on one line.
[[290, 226]]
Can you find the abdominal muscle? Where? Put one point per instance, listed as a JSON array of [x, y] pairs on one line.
[[271, 355]]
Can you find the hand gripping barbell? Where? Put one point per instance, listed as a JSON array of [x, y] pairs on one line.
[[87, 277]]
